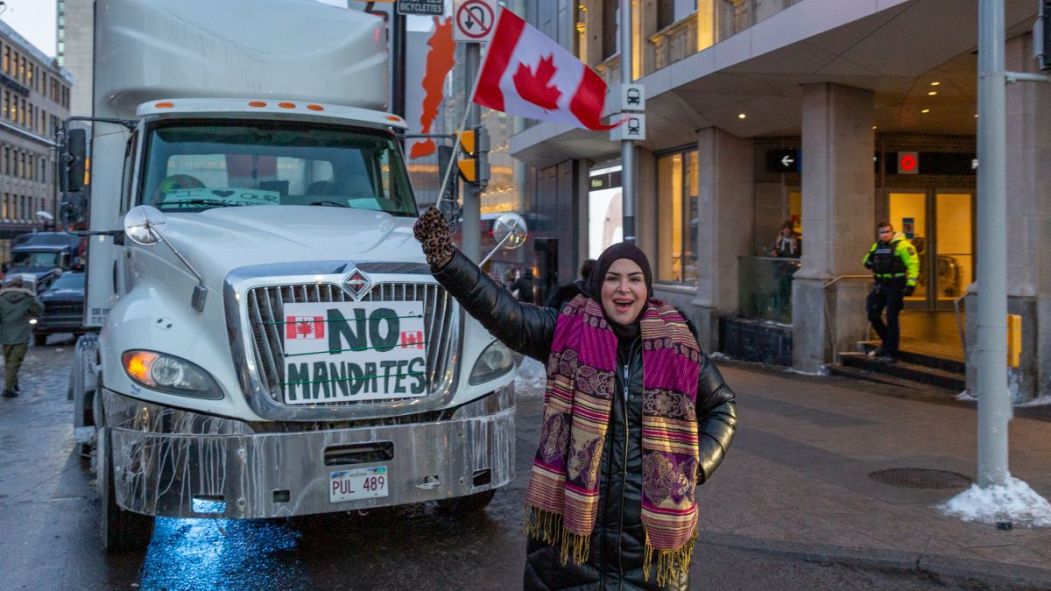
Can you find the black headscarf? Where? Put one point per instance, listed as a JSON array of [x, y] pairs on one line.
[[593, 286]]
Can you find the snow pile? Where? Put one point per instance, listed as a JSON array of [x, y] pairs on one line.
[[966, 396], [1040, 401], [821, 372], [1015, 503], [531, 378]]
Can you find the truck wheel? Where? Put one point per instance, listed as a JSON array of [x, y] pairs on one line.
[[122, 531], [39, 340], [469, 504]]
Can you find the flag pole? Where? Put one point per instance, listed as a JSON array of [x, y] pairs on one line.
[[456, 143]]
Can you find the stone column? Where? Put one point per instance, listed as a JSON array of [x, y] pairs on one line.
[[1028, 227], [724, 233], [838, 218]]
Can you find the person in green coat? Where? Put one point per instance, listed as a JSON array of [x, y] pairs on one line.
[[17, 305]]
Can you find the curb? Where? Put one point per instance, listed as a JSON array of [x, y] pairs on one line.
[[1015, 576]]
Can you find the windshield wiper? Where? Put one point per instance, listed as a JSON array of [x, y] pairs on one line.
[[205, 202]]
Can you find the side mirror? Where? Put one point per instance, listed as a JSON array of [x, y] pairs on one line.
[[73, 208], [74, 160], [509, 231], [143, 225]]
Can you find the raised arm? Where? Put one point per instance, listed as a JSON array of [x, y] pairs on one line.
[[525, 328]]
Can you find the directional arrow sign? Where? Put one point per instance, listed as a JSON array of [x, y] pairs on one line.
[[782, 161]]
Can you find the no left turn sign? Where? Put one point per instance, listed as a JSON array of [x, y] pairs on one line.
[[475, 20]]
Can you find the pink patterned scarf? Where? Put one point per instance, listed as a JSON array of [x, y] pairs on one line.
[[581, 375]]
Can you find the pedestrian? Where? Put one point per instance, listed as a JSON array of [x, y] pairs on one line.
[[571, 290], [17, 305], [895, 268], [635, 416], [786, 244], [522, 288]]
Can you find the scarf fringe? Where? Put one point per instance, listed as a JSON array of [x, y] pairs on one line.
[[547, 527], [671, 564]]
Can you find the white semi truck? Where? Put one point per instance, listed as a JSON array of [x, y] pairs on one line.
[[272, 343]]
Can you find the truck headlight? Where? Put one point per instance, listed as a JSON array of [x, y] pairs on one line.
[[170, 374], [495, 361]]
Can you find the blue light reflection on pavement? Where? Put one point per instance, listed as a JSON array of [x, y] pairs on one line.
[[221, 554]]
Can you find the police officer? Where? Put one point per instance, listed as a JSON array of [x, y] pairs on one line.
[[896, 267]]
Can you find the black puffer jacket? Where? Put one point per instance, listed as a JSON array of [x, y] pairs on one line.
[[618, 540]]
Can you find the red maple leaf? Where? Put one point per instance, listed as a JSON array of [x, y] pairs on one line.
[[305, 327], [536, 87]]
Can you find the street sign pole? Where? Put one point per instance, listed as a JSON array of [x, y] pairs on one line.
[[994, 402], [627, 147]]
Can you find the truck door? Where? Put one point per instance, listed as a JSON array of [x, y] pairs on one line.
[[113, 150]]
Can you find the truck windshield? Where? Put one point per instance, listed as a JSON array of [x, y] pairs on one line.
[[36, 260], [202, 165]]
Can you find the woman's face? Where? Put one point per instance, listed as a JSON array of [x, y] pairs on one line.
[[623, 291]]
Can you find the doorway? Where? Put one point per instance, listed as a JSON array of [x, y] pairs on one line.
[[940, 224]]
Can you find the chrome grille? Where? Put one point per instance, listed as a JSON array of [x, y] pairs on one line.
[[266, 313]]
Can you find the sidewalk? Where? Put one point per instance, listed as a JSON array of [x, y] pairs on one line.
[[796, 479]]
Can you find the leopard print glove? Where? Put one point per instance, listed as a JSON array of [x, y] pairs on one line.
[[433, 233]]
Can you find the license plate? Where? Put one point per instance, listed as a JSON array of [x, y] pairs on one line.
[[360, 483]]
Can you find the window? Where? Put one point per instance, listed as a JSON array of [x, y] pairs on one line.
[[7, 59], [677, 217], [3, 206], [194, 167], [672, 11]]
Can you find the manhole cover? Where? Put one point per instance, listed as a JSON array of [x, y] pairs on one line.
[[921, 478]]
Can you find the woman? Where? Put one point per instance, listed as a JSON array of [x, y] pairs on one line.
[[635, 415]]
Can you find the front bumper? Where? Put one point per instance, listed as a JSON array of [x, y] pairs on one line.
[[177, 463], [52, 324]]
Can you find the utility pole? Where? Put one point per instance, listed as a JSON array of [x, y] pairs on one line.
[[397, 41], [472, 194], [627, 147], [994, 401]]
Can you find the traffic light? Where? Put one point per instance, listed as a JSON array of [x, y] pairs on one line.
[[1042, 36], [474, 166]]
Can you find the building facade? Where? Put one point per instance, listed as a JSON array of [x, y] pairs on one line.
[[824, 114], [35, 100], [74, 49]]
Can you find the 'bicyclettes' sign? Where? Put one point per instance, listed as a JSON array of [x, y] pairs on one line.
[[347, 351]]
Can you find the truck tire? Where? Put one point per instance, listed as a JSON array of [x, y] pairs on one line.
[[122, 531], [39, 340], [469, 504]]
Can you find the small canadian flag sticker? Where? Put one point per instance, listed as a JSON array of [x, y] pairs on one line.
[[304, 327]]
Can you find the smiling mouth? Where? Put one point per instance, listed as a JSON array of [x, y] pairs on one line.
[[622, 306]]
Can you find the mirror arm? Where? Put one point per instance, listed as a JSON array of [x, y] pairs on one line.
[[498, 246], [200, 291]]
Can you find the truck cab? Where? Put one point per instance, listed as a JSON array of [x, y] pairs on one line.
[[272, 342]]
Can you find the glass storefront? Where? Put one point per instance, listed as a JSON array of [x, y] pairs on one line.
[[677, 217], [940, 225]]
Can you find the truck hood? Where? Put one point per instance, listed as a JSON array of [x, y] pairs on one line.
[[219, 240]]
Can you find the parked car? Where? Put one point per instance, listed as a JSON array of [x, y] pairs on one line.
[[63, 308]]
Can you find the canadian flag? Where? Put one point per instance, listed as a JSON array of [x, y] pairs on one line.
[[304, 327], [527, 74]]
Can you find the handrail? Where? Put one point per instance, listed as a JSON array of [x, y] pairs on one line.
[[838, 277], [828, 318]]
